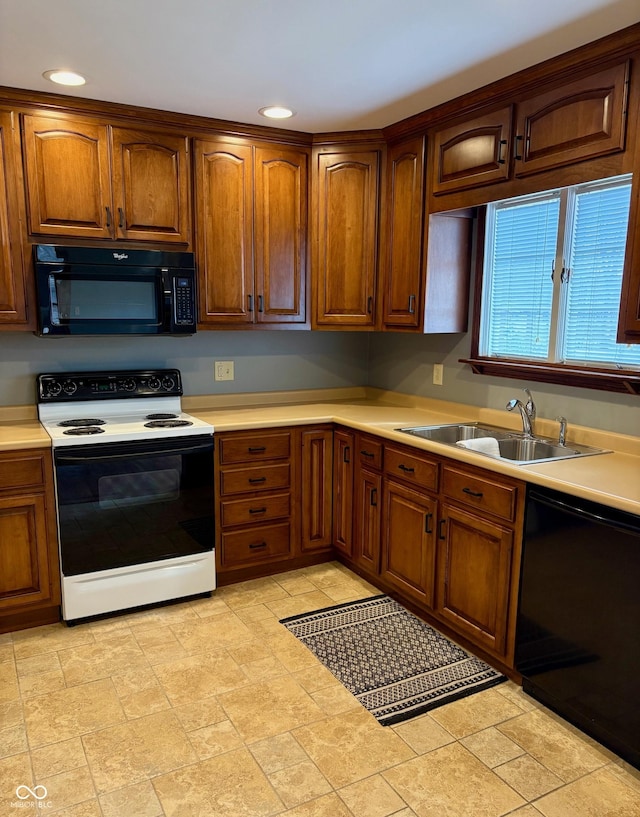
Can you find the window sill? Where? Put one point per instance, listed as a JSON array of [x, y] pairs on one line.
[[623, 381]]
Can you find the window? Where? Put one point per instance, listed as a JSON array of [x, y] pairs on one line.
[[552, 277]]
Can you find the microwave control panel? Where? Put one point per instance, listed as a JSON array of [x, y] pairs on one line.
[[184, 301]]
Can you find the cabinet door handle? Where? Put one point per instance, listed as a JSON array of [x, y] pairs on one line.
[[367, 453], [250, 303], [370, 304], [516, 148], [256, 449], [407, 469], [258, 545], [501, 145], [346, 454], [257, 510], [477, 494], [108, 209], [373, 499], [260, 303], [120, 218], [256, 480], [441, 527], [412, 304], [427, 519]]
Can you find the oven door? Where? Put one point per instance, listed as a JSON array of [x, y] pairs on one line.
[[122, 504]]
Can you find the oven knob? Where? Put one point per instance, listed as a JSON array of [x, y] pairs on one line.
[[128, 385], [52, 389], [154, 383], [168, 383], [69, 387]]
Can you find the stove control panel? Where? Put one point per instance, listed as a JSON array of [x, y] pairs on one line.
[[61, 387]]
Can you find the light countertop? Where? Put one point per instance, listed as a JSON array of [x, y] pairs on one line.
[[612, 479]]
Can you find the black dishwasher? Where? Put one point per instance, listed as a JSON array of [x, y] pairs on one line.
[[578, 633]]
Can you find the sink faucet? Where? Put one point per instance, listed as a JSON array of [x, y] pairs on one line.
[[562, 436], [527, 412]]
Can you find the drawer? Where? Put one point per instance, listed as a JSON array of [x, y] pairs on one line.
[[254, 447], [21, 472], [479, 492], [257, 544], [411, 469], [260, 478], [258, 509], [369, 453]]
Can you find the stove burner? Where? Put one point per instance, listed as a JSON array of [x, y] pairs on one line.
[[82, 422], [167, 423], [81, 430], [162, 416]]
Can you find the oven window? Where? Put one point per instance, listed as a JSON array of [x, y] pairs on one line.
[[128, 510], [96, 299]]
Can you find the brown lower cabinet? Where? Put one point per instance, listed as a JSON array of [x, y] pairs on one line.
[[29, 571], [273, 500], [343, 474]]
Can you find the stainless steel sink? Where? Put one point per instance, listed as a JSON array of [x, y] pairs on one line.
[[512, 446]]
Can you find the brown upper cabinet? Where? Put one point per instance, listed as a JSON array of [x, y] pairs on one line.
[[251, 224], [345, 236], [582, 119], [401, 270], [12, 284], [135, 182]]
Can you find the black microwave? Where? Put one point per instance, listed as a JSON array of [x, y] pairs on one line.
[[99, 291]]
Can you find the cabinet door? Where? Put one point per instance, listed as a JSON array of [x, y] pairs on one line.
[[24, 553], [224, 226], [345, 244], [280, 235], [368, 506], [343, 446], [473, 153], [59, 153], [474, 569], [403, 254], [408, 544], [580, 120], [150, 186], [316, 488], [12, 284]]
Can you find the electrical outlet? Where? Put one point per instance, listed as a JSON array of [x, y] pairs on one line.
[[438, 370], [223, 370]]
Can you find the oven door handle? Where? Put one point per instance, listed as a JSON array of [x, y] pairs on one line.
[[62, 459]]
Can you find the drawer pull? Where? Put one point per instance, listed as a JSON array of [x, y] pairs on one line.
[[477, 494], [346, 455], [256, 480], [441, 529], [373, 499], [407, 469], [367, 453], [257, 545], [257, 510], [427, 519], [257, 449]]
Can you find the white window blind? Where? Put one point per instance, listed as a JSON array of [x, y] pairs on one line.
[[528, 311]]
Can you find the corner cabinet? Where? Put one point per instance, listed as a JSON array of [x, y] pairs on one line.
[[251, 221], [345, 216], [29, 572], [343, 476], [135, 182], [13, 311], [580, 120], [401, 269]]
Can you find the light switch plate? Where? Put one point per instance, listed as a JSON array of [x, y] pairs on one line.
[[223, 370], [438, 371]]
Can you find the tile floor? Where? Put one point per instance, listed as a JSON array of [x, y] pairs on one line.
[[212, 709]]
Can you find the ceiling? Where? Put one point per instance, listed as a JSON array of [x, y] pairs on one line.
[[340, 64]]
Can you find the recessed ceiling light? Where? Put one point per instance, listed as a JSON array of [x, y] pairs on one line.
[[276, 112], [63, 77]]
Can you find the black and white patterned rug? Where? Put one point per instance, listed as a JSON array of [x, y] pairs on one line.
[[396, 665]]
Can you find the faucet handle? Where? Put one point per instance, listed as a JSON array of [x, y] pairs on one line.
[[562, 435], [531, 406]]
